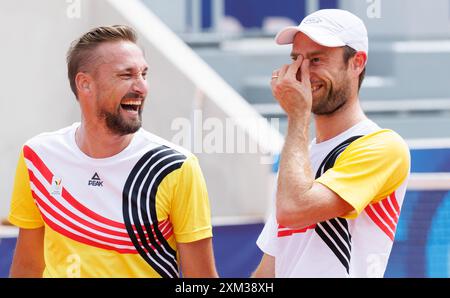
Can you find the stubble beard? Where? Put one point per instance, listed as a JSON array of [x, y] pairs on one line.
[[116, 123], [333, 100]]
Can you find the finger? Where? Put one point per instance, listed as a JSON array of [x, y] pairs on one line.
[[282, 72], [305, 72], [273, 81], [275, 75], [294, 67]]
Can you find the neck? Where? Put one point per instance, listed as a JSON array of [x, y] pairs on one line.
[[329, 126], [96, 141]]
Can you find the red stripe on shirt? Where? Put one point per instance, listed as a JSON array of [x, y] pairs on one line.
[[77, 205], [165, 227], [62, 218], [284, 232], [78, 228], [85, 240], [89, 242], [376, 219], [384, 216], [69, 213], [389, 209], [395, 203], [30, 155]]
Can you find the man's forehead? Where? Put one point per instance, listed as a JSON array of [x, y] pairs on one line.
[[121, 54], [303, 42]]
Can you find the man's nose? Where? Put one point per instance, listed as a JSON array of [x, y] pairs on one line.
[[140, 85]]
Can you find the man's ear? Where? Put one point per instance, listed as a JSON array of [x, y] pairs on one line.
[[83, 82], [359, 62]]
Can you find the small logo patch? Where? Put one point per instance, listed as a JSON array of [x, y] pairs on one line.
[[56, 187], [95, 180]]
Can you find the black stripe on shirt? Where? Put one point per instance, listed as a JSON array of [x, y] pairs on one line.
[[340, 241], [151, 169]]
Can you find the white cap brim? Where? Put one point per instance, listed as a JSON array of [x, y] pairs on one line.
[[318, 35]]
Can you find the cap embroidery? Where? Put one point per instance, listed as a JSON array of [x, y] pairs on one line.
[[313, 20]]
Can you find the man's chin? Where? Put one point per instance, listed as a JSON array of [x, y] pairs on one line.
[[123, 127], [317, 103], [123, 131], [132, 121], [133, 126]]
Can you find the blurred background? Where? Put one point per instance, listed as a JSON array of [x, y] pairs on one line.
[[213, 59]]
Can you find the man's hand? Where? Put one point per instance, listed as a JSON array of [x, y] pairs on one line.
[[294, 96]]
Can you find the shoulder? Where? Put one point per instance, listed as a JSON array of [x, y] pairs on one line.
[[381, 140], [156, 141], [384, 145], [49, 138], [186, 167]]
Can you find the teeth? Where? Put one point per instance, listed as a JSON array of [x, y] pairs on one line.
[[132, 102], [315, 88]]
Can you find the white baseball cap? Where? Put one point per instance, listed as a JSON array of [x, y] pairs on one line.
[[330, 28]]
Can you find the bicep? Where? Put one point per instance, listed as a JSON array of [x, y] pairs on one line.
[[197, 258], [266, 268], [329, 204], [28, 258]]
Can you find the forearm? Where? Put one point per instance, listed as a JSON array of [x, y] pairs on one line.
[[197, 259], [266, 268], [26, 270], [28, 258], [295, 176]]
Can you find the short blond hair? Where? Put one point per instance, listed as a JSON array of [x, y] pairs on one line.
[[79, 56]]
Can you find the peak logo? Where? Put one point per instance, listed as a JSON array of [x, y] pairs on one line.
[[96, 181]]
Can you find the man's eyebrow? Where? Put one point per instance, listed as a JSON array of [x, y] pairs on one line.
[[309, 55], [315, 53], [131, 69], [294, 55]]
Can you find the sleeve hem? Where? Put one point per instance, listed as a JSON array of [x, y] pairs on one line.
[[23, 223], [194, 236], [352, 214], [265, 249]]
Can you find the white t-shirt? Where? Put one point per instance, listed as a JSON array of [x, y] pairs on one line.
[[367, 167]]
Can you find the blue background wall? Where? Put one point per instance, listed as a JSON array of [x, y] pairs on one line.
[[250, 13]]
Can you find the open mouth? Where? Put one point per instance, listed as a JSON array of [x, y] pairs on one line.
[[131, 105]]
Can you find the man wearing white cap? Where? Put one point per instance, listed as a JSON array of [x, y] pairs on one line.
[[339, 197]]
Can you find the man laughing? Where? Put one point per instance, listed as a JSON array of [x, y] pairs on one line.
[[104, 197]]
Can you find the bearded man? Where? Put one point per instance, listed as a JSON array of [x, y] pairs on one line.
[[338, 198], [104, 197]]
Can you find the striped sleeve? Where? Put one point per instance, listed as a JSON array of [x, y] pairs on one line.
[[369, 169], [23, 212]]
